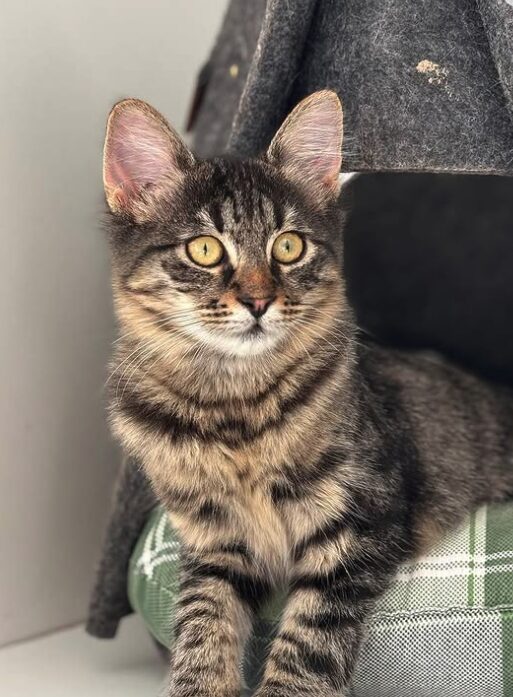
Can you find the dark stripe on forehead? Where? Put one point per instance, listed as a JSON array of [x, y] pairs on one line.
[[260, 202], [244, 194], [250, 194], [279, 216], [232, 196], [215, 212]]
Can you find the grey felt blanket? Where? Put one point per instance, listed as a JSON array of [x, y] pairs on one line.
[[427, 85]]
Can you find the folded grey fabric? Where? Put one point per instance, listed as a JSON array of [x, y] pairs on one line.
[[131, 506], [427, 85]]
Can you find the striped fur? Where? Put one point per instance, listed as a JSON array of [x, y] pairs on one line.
[[298, 457]]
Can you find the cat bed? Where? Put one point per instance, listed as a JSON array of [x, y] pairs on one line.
[[444, 629]]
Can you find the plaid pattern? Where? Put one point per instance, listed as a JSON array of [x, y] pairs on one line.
[[445, 628]]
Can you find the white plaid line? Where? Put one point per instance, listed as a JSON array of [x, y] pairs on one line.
[[479, 556], [479, 572], [436, 560]]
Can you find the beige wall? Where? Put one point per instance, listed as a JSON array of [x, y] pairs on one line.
[[63, 63]]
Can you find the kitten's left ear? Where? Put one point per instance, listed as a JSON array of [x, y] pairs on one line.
[[308, 146], [143, 157]]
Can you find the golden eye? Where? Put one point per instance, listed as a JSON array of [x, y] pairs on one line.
[[205, 250], [288, 247]]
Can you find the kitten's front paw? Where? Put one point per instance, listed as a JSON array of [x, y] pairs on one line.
[[275, 691], [192, 692], [289, 691], [187, 690]]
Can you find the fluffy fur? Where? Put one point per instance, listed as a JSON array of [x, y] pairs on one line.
[[288, 452]]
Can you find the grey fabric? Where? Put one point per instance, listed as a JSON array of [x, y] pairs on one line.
[[427, 85], [227, 72], [420, 88], [133, 501], [274, 68], [497, 18]]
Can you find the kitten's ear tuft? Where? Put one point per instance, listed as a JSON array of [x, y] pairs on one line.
[[143, 156], [308, 146]]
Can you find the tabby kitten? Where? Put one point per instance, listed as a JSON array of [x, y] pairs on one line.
[[287, 452]]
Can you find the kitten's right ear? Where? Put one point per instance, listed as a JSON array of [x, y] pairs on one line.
[[143, 157]]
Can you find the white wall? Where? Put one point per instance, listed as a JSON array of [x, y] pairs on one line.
[[63, 64]]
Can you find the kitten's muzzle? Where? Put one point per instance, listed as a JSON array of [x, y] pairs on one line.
[[257, 306]]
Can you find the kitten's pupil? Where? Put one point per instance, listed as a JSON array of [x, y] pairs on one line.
[[205, 250], [288, 247]]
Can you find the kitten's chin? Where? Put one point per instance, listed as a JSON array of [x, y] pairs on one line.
[[254, 341]]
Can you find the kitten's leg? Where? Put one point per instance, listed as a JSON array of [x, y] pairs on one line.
[[323, 623], [218, 596]]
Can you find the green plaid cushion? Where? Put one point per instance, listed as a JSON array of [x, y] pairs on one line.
[[445, 628]]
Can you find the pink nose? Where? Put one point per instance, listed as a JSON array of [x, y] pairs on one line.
[[257, 306]]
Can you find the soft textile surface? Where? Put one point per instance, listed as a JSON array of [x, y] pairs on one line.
[[445, 628], [132, 502], [427, 85]]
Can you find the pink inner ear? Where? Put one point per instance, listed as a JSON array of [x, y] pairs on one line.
[[315, 145], [308, 145], [137, 153]]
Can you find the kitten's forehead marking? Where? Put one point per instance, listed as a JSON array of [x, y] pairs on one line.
[[224, 236], [245, 209], [248, 224]]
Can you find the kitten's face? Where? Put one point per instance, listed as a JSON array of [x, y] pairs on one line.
[[239, 257]]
